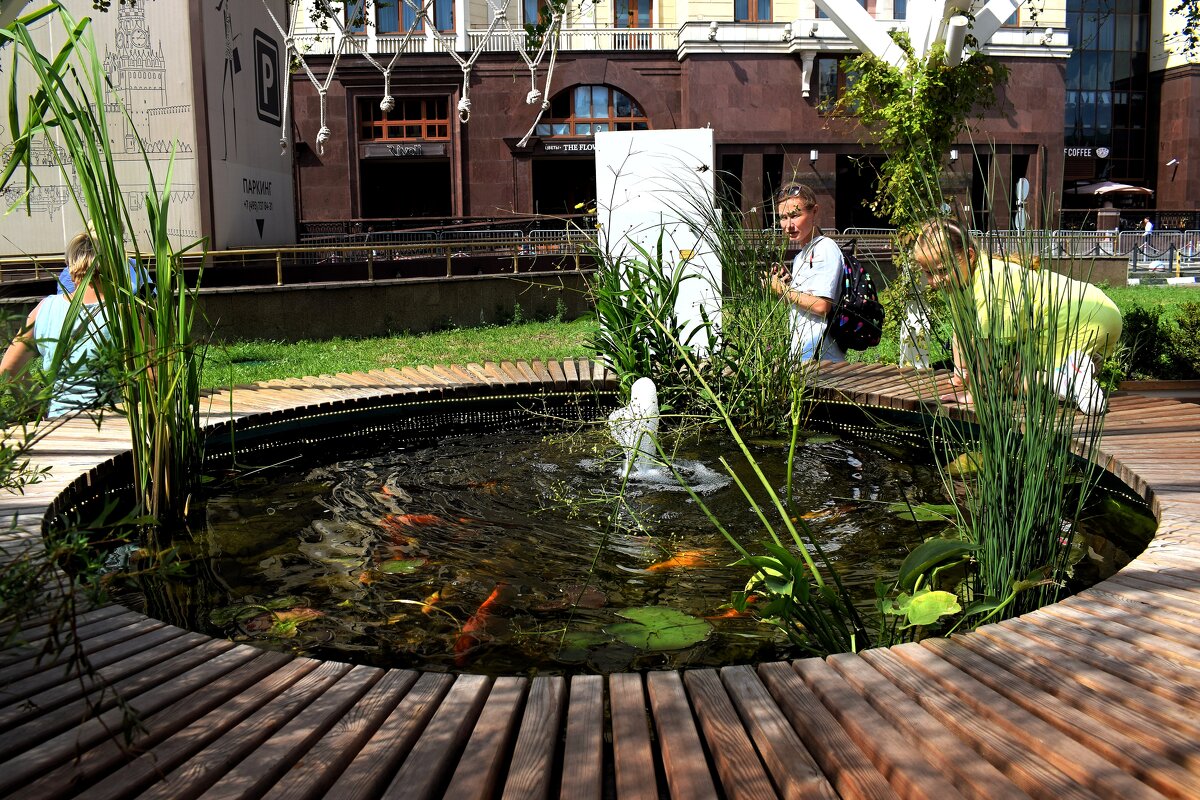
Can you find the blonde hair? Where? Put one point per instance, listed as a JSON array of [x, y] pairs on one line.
[[81, 254], [796, 191]]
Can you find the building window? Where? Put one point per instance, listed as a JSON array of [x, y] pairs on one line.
[[414, 119], [833, 79], [634, 13], [534, 9], [822, 15], [397, 16], [900, 9], [354, 17], [751, 10], [585, 110]]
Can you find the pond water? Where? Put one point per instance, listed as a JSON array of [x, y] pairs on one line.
[[510, 552]]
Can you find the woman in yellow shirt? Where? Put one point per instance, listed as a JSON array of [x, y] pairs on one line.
[[1073, 324]]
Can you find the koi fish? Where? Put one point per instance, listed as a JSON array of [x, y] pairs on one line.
[[489, 486], [410, 520], [828, 513], [687, 558], [733, 613], [430, 602], [469, 636]]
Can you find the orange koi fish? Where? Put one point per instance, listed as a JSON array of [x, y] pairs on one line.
[[687, 558], [410, 520], [733, 613], [828, 513], [469, 636], [430, 602]]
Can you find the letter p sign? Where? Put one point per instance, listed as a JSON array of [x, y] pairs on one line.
[[267, 77]]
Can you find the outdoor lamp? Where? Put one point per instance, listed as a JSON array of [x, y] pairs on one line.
[[812, 156], [712, 30], [954, 154]]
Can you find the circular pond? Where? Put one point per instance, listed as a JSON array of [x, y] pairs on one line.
[[518, 548]]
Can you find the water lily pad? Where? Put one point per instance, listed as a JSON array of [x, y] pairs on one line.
[[401, 566], [924, 512], [821, 438], [658, 628], [578, 645]]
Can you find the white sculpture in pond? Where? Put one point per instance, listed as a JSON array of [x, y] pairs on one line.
[[634, 426]]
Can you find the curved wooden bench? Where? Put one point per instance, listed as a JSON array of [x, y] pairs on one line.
[[1096, 696]]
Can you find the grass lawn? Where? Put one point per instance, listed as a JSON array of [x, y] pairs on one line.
[[247, 362]]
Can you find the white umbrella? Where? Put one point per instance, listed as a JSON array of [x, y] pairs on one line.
[[1109, 187]]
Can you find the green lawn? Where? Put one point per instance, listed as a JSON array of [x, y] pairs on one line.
[[247, 362]]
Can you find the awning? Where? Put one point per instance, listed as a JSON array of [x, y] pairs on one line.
[[1109, 187]]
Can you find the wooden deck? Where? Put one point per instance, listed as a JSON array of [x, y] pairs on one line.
[[1094, 697]]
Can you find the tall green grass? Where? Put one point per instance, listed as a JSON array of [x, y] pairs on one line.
[[150, 333]]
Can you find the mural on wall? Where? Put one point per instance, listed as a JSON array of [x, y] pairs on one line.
[[251, 179], [153, 85]]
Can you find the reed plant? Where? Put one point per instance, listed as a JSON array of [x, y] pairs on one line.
[[150, 331], [1018, 466]]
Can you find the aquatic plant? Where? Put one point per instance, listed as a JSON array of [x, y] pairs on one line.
[[1019, 492], [157, 362]]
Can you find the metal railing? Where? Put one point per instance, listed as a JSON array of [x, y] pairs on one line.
[[584, 38]]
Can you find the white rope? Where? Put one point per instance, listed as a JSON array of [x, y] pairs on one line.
[[423, 16]]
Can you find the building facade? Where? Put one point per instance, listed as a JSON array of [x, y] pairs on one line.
[[1094, 94]]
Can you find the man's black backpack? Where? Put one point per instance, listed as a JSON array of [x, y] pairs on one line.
[[857, 319]]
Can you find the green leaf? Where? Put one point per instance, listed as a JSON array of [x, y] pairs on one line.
[[929, 555], [927, 607], [925, 512], [401, 566], [658, 628]]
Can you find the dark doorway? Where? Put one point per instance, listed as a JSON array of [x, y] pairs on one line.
[[393, 189], [858, 185], [561, 184], [981, 193]]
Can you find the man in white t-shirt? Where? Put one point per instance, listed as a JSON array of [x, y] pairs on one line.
[[813, 284]]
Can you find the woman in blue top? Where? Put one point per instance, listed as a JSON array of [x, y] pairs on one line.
[[77, 371], [812, 285]]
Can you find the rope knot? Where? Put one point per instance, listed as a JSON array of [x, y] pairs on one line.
[[533, 97], [282, 146], [324, 135], [387, 103], [464, 109]]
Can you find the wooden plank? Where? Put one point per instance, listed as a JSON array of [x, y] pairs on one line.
[[739, 770], [531, 768], [1012, 756], [205, 767], [111, 753], [793, 770], [684, 762], [973, 776], [583, 750], [1167, 703], [892, 753], [94, 638], [269, 762], [168, 661], [1076, 761], [487, 751], [434, 754], [1113, 653], [633, 756], [36, 761], [373, 767], [152, 766], [844, 765], [1162, 758], [312, 776], [59, 707]]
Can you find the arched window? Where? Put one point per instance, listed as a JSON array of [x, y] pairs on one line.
[[589, 108]]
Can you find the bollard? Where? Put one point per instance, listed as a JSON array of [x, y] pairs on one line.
[[279, 268]]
